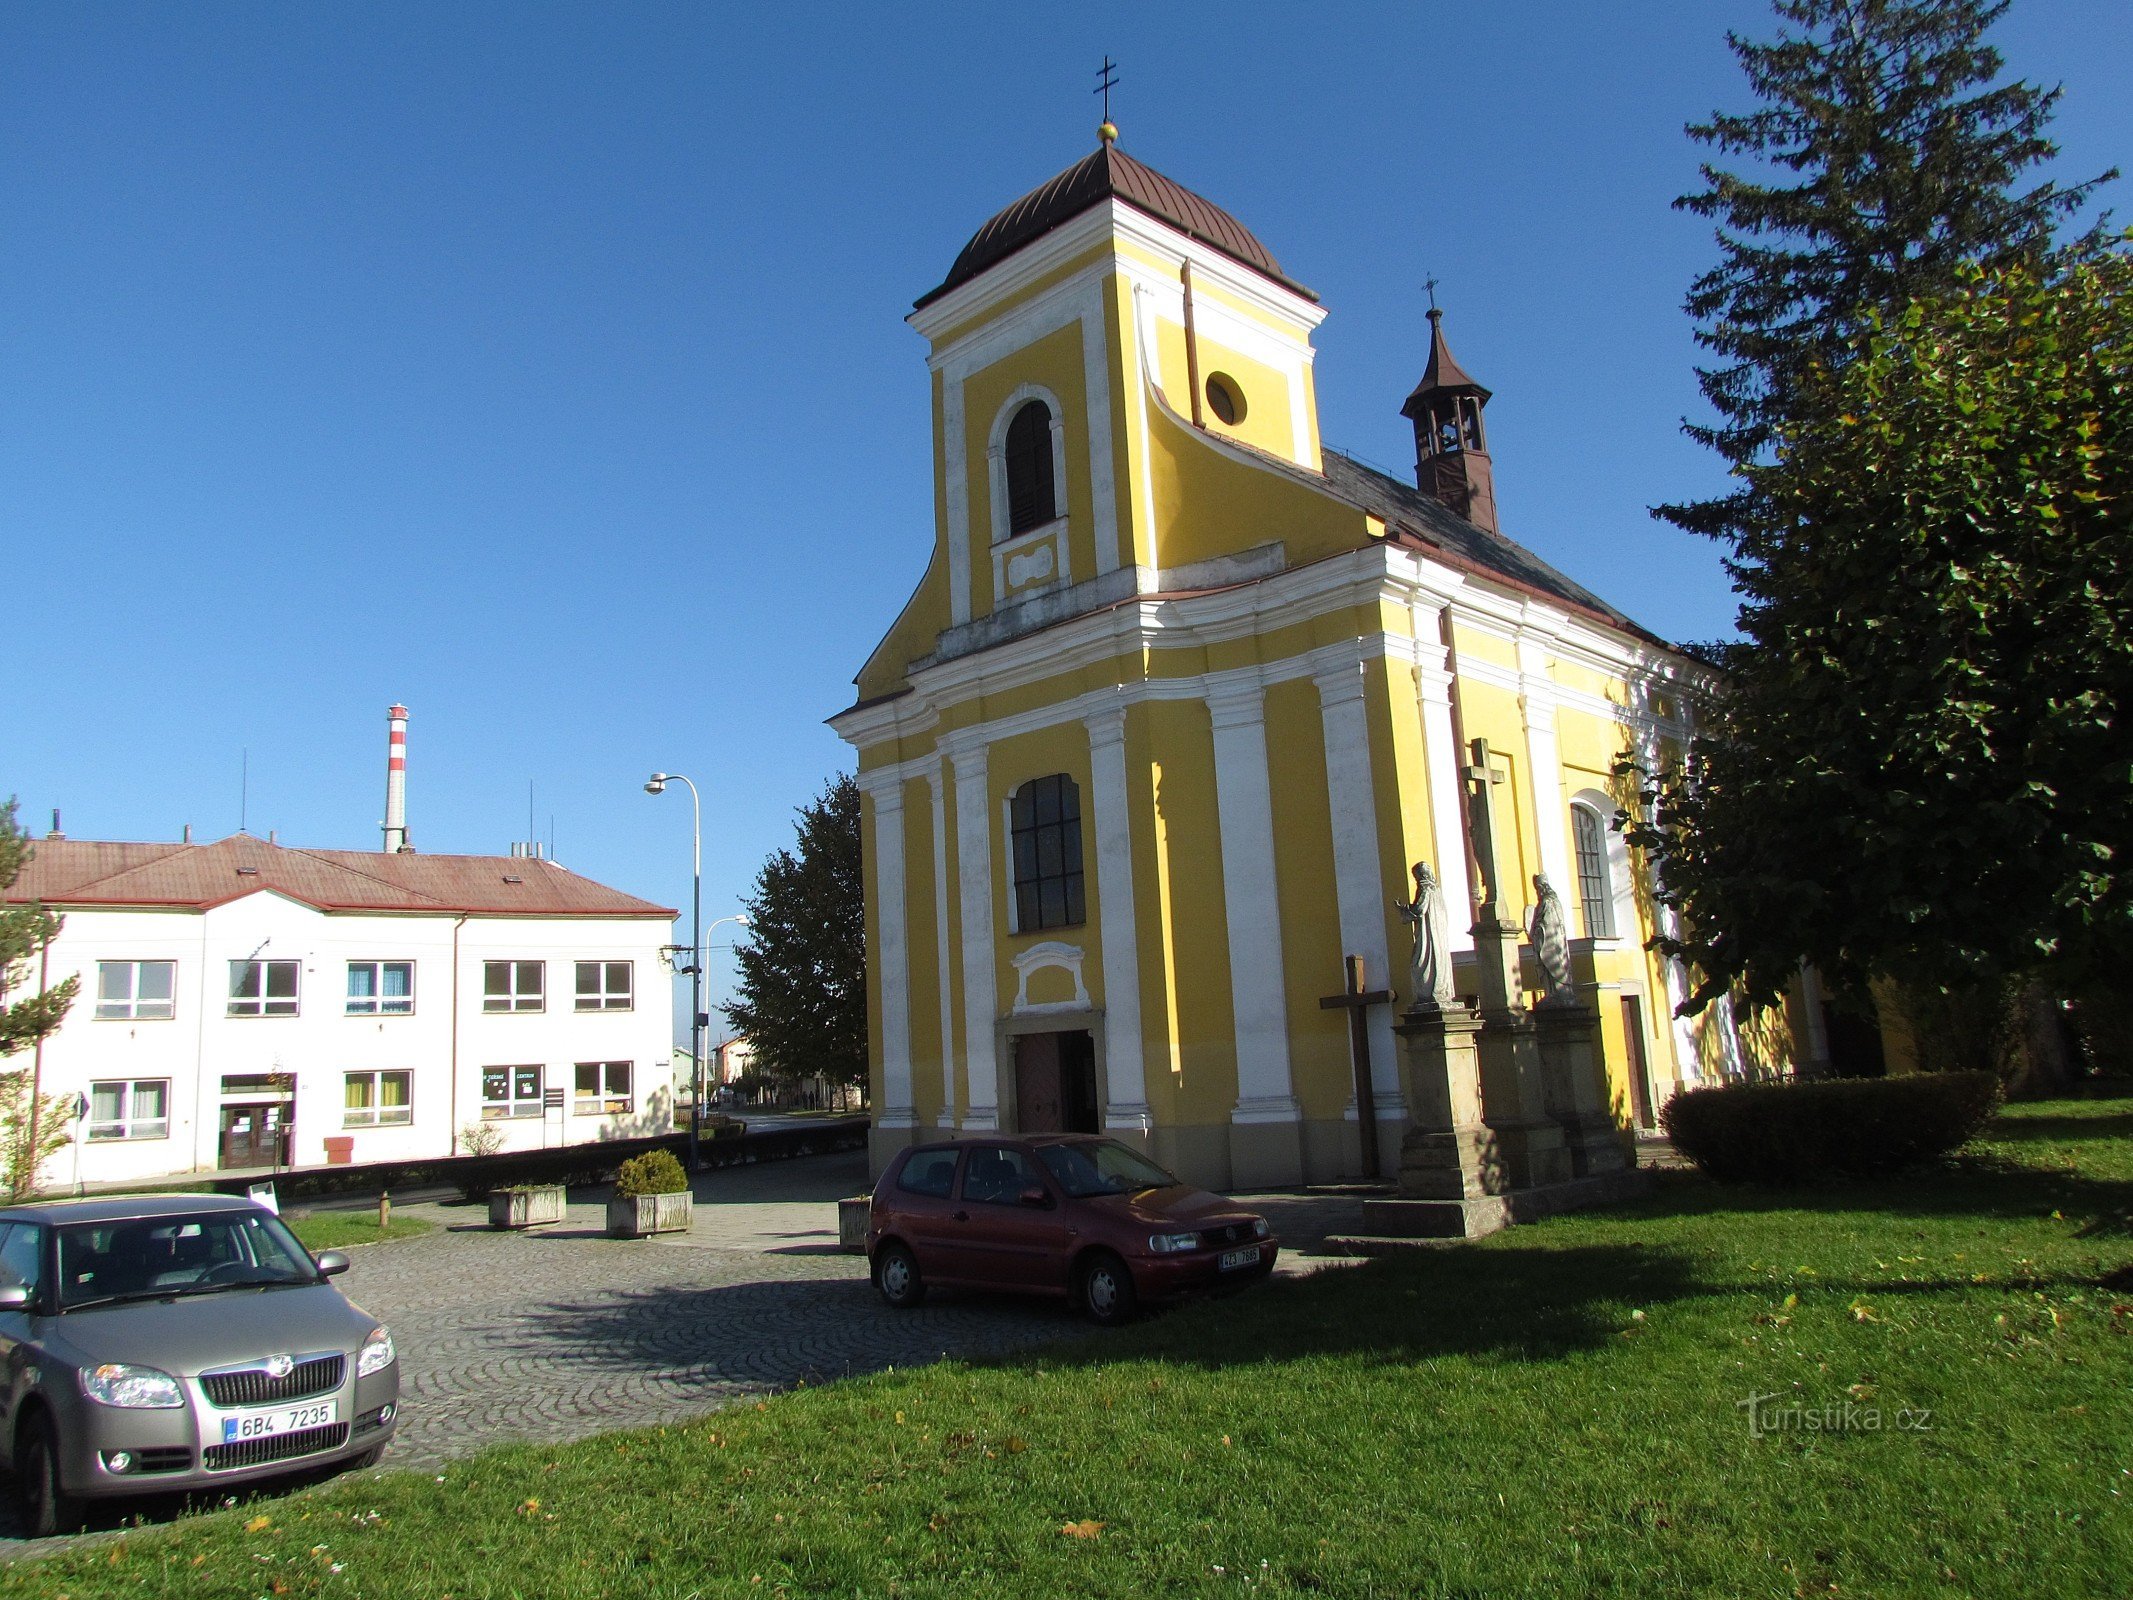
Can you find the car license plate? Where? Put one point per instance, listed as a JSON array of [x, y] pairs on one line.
[[1248, 1257], [285, 1419]]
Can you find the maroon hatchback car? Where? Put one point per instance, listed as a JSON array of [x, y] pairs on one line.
[[1059, 1214]]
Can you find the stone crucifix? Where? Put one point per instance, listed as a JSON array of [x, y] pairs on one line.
[[1496, 929]]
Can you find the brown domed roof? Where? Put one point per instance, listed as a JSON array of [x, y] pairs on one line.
[[1109, 173]]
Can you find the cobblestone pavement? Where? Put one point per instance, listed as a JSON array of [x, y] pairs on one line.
[[557, 1334]]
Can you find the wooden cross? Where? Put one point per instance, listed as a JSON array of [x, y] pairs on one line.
[[1109, 74], [1356, 1001]]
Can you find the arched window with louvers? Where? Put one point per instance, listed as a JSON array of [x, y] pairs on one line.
[[1032, 486]]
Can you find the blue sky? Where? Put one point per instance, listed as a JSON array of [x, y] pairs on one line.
[[543, 366]]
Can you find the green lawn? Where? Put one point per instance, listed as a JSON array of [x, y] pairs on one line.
[[337, 1230], [1555, 1412]]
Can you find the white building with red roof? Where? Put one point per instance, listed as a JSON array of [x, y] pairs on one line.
[[245, 1005]]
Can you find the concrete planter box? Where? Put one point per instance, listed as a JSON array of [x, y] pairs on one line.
[[647, 1214], [526, 1208], [854, 1217]]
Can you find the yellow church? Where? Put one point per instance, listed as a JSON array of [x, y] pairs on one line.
[[1183, 696]]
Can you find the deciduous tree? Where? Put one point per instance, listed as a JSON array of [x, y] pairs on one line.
[[1923, 770], [32, 1126]]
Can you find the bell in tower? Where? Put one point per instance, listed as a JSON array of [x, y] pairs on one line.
[[1451, 446]]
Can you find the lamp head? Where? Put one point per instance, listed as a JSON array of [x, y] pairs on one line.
[[656, 784]]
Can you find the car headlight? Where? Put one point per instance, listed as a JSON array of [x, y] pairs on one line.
[[378, 1353], [1164, 1244], [1259, 1228], [135, 1388]]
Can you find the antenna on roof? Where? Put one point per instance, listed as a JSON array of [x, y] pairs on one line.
[[244, 789]]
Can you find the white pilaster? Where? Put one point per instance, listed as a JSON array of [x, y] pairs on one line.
[[1442, 757], [973, 838], [955, 454], [1244, 805], [1551, 816], [888, 805], [1359, 880], [1124, 1067], [937, 783]]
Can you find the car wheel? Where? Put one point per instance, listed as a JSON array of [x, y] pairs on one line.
[[1107, 1291], [369, 1458], [47, 1508], [896, 1276]]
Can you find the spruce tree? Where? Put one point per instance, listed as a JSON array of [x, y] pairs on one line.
[[802, 995], [1886, 155]]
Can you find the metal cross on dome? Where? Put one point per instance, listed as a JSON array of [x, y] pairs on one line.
[[1108, 76]]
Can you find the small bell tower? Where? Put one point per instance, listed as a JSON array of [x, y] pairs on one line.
[[1451, 446]]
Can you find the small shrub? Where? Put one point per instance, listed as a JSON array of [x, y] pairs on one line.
[[654, 1172], [481, 1139], [1853, 1128]]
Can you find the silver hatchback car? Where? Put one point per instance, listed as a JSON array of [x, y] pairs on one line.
[[175, 1343]]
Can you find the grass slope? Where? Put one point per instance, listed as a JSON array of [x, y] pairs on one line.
[[1555, 1412]]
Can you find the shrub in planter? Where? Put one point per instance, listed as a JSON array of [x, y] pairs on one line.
[[651, 1196], [1852, 1128]]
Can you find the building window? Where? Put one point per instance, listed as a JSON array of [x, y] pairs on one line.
[[129, 1108], [510, 1092], [1595, 890], [136, 990], [263, 988], [605, 986], [381, 988], [603, 1089], [1046, 828], [378, 1100], [513, 986], [1032, 496]]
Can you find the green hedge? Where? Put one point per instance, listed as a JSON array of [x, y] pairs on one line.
[[1851, 1127]]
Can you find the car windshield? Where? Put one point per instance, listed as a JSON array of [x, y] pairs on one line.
[[140, 1258], [1102, 1167]]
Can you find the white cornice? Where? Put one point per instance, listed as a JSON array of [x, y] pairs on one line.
[[1107, 220]]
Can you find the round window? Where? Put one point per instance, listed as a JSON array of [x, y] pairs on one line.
[[1225, 399]]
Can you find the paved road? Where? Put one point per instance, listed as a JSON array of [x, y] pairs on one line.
[[555, 1335]]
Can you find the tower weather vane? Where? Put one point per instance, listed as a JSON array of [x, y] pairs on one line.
[[1107, 76], [1430, 284]]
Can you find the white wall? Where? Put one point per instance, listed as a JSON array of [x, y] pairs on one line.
[[443, 1049]]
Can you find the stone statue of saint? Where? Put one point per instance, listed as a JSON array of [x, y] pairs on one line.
[[1551, 944], [1430, 972]]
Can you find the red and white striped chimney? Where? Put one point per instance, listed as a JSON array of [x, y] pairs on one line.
[[396, 780]]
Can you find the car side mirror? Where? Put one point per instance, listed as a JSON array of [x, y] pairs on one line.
[[16, 1297], [1035, 1195], [331, 1263]]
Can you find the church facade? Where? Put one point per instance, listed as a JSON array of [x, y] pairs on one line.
[[1182, 698]]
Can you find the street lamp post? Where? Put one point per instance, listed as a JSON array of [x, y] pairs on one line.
[[657, 785]]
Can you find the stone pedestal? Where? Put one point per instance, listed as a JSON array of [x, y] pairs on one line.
[[1450, 1153], [1512, 1097], [1574, 1088]]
